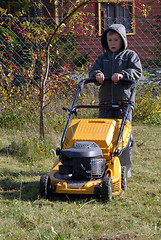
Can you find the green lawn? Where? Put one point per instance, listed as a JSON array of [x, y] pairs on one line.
[[135, 214]]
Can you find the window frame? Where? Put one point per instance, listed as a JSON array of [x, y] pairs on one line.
[[115, 1]]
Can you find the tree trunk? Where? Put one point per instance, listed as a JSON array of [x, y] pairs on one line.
[[42, 97]]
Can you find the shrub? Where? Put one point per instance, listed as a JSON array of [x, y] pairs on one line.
[[148, 104], [18, 105]]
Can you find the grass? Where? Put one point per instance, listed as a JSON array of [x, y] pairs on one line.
[[135, 214]]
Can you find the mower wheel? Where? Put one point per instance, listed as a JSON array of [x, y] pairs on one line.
[[106, 189], [45, 186], [123, 178]]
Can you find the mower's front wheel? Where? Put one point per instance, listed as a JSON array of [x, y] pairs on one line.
[[123, 178], [106, 192], [45, 186]]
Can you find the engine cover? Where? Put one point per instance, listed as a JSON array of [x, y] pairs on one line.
[[82, 149], [82, 160]]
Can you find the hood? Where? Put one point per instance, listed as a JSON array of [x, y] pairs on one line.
[[120, 29]]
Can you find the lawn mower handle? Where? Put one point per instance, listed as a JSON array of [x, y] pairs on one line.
[[123, 81]]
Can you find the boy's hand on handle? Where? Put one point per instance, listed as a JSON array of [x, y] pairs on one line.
[[100, 77], [116, 77]]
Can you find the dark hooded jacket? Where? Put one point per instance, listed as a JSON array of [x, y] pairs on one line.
[[124, 61]]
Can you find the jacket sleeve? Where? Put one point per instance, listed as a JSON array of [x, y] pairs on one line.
[[134, 70]]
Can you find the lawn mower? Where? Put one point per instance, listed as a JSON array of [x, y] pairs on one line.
[[89, 157]]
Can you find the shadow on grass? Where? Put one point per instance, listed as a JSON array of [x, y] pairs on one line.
[[11, 186], [73, 198], [24, 191], [12, 183]]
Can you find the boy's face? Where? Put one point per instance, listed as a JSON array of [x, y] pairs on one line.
[[114, 41]]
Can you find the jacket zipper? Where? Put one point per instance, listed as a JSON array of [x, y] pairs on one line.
[[111, 80]]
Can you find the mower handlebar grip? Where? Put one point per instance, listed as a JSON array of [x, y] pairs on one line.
[[126, 81], [121, 81]]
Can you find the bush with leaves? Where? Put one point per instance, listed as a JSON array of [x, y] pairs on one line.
[[148, 103], [19, 105]]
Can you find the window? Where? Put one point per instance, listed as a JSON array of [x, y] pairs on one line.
[[110, 12]]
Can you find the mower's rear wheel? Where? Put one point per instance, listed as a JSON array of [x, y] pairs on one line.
[[106, 192], [45, 186], [123, 178]]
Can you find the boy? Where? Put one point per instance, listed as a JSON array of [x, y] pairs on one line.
[[115, 63]]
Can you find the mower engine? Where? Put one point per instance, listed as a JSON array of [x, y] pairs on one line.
[[82, 161]]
